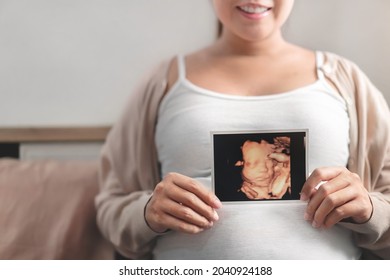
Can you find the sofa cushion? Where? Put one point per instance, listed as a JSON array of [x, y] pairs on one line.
[[47, 210]]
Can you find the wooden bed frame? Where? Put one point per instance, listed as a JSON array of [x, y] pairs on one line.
[[53, 134]]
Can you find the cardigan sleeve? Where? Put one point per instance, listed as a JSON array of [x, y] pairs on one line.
[[374, 236], [128, 171], [369, 153]]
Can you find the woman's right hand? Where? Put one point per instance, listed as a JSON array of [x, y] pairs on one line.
[[182, 204]]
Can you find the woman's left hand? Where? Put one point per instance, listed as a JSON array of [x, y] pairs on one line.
[[340, 196]]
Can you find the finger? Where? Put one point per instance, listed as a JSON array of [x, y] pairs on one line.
[[167, 195], [186, 214], [193, 186], [331, 203], [319, 175], [182, 194], [340, 213], [176, 224], [164, 215], [336, 216], [193, 202], [320, 194]]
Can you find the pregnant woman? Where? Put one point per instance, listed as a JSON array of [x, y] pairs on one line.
[[156, 199]]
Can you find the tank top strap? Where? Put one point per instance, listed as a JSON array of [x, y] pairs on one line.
[[181, 64]]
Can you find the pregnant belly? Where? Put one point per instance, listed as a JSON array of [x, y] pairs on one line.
[[265, 230]]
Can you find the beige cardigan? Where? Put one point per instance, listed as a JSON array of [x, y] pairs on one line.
[[129, 168]]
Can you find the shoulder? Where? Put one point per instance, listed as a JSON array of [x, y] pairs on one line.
[[160, 71], [351, 81], [344, 72], [189, 62], [339, 64], [154, 81], [148, 91], [172, 73]]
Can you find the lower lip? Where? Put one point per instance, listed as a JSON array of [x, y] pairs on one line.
[[254, 16]]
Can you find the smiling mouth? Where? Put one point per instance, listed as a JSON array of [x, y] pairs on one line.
[[253, 9]]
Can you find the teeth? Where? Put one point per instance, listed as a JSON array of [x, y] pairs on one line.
[[253, 10]]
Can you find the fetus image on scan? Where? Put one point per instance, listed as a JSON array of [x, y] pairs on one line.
[[265, 168]]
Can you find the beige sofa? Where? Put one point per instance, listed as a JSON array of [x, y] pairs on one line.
[[47, 211]]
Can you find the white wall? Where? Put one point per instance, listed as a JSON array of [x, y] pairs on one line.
[[74, 62], [356, 29]]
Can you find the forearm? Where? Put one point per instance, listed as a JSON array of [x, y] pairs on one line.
[[374, 235], [121, 220]]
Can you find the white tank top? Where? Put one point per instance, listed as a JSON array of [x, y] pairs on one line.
[[187, 115]]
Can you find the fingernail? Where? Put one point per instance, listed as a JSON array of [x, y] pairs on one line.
[[304, 197], [306, 216], [315, 224], [217, 203], [215, 215]]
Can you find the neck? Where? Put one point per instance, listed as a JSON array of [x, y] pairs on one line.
[[229, 44]]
